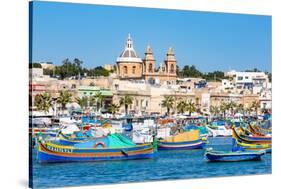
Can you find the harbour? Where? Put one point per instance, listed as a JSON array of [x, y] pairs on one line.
[[168, 165]]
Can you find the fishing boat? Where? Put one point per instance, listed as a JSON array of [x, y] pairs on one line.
[[182, 141], [254, 147], [229, 156], [250, 139], [258, 131], [67, 140], [112, 147], [187, 145]]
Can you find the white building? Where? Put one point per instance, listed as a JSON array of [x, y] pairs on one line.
[[249, 80], [47, 65], [227, 84], [35, 73]]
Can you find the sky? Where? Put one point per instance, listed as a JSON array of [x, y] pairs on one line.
[[96, 34]]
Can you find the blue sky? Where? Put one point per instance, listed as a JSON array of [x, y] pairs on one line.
[[97, 35]]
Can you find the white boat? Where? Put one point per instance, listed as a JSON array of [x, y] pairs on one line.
[[219, 131]]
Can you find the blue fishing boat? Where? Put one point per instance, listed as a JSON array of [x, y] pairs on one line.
[[112, 147], [229, 156]]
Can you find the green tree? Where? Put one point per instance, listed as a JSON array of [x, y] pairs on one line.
[[190, 107], [181, 107], [214, 110], [240, 108], [231, 105], [43, 102], [35, 65], [82, 101], [92, 101], [223, 108], [78, 64], [126, 101], [168, 103], [99, 100], [191, 71], [255, 106], [114, 108], [64, 98]]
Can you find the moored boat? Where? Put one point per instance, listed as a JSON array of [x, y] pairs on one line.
[[229, 156], [250, 139], [186, 145], [182, 141], [113, 147], [254, 147]]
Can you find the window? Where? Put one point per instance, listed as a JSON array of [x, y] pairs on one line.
[[134, 69], [172, 69], [150, 67], [125, 69], [240, 78], [246, 77], [146, 104]]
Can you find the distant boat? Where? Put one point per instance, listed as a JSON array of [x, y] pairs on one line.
[[250, 139], [67, 140], [254, 147], [182, 141], [229, 156], [113, 147], [186, 145]]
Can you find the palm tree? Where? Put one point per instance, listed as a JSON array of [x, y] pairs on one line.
[[126, 101], [240, 108], [92, 101], [214, 110], [190, 107], [64, 98], [249, 110], [168, 103], [231, 105], [255, 105], [114, 108], [99, 100], [82, 102], [43, 102], [224, 108], [181, 107]]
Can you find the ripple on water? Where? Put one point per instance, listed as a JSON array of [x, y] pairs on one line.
[[168, 165]]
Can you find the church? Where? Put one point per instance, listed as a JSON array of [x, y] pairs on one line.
[[130, 66]]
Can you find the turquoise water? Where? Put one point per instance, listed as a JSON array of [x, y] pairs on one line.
[[168, 165]]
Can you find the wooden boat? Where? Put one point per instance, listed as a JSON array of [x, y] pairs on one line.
[[225, 156], [186, 145], [254, 147], [250, 139], [66, 140], [258, 131], [101, 149], [182, 141]]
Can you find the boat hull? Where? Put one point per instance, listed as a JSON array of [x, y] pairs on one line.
[[233, 157], [197, 144], [250, 140], [56, 153]]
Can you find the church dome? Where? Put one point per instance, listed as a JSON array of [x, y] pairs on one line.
[[129, 54]]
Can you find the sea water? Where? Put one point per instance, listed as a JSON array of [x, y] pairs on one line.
[[169, 165]]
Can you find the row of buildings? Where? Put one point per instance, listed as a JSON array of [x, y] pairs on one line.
[[149, 85]]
